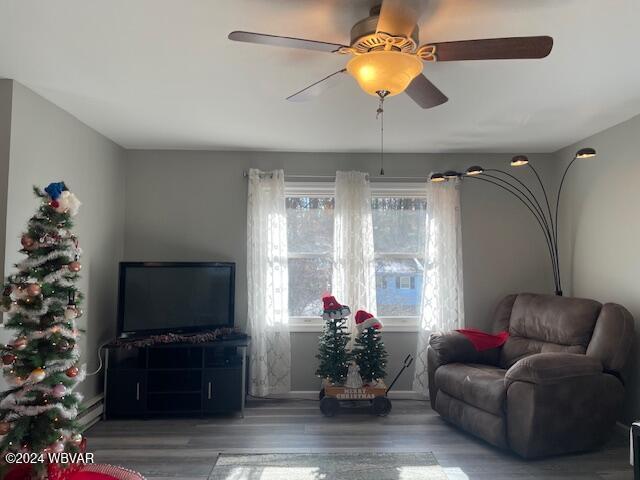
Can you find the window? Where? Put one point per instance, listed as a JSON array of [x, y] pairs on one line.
[[398, 235], [310, 244], [398, 238]]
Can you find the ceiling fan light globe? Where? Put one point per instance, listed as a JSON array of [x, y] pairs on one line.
[[384, 70]]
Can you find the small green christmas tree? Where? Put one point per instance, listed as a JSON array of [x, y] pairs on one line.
[[368, 350], [333, 355]]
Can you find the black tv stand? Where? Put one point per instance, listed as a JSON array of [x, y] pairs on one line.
[[175, 379]]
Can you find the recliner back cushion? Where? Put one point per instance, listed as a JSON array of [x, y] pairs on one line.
[[548, 323]]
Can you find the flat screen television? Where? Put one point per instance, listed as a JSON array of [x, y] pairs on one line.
[[178, 297]]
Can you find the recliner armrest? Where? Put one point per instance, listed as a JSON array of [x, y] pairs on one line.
[[549, 368], [454, 347]]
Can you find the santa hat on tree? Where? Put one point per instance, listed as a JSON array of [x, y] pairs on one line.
[[365, 320], [333, 309]]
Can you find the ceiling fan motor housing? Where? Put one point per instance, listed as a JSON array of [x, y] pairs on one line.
[[365, 38]]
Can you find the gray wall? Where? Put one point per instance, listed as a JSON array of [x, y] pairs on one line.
[[6, 93], [48, 144], [600, 229], [191, 205]]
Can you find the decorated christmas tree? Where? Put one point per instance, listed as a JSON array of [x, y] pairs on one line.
[[38, 412], [368, 350], [333, 355]]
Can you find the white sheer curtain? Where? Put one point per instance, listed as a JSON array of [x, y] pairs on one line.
[[354, 282], [442, 291], [268, 284]]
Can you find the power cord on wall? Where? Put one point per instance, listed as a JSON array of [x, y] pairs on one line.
[[100, 348]]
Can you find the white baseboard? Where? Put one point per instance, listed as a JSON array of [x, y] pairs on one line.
[[92, 411], [406, 395]]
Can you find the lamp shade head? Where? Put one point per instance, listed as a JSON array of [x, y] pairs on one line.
[[437, 177], [586, 153], [475, 170], [384, 71], [451, 174], [519, 161]]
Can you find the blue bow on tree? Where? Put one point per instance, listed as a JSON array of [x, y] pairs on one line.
[[54, 190]]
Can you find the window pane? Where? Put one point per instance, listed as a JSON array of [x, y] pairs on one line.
[[309, 279], [398, 224], [399, 286], [310, 224]]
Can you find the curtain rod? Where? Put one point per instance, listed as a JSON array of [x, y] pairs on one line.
[[332, 177]]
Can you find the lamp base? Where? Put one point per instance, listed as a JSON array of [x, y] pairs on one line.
[[559, 293]]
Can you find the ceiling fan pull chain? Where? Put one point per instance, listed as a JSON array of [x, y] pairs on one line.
[[380, 114]]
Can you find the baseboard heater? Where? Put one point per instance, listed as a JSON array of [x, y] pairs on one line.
[[92, 411]]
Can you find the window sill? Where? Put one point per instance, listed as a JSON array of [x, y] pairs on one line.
[[394, 325]]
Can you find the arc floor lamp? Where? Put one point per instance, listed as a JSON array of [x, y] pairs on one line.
[[539, 206]]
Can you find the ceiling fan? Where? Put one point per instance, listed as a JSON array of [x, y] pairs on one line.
[[387, 59]]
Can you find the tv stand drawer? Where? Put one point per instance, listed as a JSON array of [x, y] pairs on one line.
[[222, 390]]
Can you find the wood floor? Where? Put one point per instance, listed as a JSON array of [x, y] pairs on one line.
[[187, 448]]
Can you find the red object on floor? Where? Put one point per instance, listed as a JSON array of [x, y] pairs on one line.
[[85, 472], [57, 472], [105, 472], [483, 340], [22, 471]]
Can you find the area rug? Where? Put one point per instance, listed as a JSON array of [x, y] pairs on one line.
[[328, 466]]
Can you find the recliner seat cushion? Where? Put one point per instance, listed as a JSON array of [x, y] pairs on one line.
[[485, 425], [547, 323], [479, 385]]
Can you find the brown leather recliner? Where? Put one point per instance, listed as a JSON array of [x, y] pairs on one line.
[[553, 388]]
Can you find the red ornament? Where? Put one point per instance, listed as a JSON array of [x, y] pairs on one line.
[[74, 267], [4, 428], [33, 290], [72, 372], [20, 343], [8, 358], [54, 203], [27, 242]]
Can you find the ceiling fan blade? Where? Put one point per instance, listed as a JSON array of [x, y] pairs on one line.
[[494, 49], [317, 88], [425, 93], [291, 42], [399, 17]]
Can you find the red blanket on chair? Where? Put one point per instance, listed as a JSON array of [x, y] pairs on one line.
[[482, 340]]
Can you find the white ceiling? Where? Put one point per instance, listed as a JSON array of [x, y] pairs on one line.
[[162, 74]]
